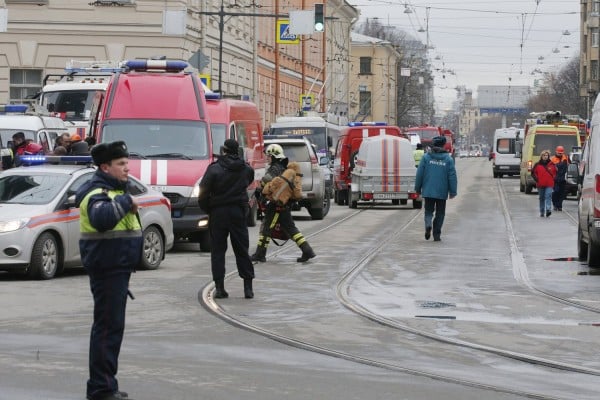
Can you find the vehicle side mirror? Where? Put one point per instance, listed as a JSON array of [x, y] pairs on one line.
[[324, 161], [71, 201]]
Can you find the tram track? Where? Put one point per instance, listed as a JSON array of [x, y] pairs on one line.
[[206, 298], [520, 267]]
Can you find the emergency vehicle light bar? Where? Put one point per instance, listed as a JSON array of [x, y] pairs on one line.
[[367, 123], [43, 159], [212, 96], [92, 66], [155, 65], [13, 108]]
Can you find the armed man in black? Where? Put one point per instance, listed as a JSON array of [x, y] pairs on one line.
[[224, 196]]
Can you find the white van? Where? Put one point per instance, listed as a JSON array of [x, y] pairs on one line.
[[505, 160], [384, 170], [588, 229], [41, 129]]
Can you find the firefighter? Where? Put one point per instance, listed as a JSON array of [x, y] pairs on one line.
[[276, 212]]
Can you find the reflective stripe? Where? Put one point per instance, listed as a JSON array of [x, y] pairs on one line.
[[128, 223], [110, 235]]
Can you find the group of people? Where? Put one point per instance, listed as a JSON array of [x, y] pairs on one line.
[[550, 176], [67, 145]]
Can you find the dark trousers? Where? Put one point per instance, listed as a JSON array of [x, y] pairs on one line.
[[437, 206], [230, 221], [282, 215], [559, 194], [110, 301]]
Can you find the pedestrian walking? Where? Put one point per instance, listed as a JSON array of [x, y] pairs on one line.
[[436, 181], [110, 247], [544, 173], [224, 196], [418, 154], [561, 161], [277, 211]]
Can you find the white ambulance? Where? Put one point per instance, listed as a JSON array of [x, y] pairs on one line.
[[70, 95]]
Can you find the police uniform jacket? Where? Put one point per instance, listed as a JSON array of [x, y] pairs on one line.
[[111, 236], [225, 183], [436, 175]]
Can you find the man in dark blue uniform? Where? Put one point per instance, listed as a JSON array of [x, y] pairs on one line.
[[110, 246], [224, 196]]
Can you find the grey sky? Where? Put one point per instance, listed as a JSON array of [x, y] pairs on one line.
[[483, 42]]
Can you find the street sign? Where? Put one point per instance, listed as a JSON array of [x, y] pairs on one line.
[[199, 60], [283, 33], [205, 78], [307, 101]]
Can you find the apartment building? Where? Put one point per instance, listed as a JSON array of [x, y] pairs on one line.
[[233, 44], [589, 86]]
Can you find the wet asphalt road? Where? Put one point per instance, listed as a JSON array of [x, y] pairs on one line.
[[476, 286]]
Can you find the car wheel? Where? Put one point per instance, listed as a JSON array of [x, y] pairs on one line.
[[317, 213], [252, 214], [154, 248], [351, 204], [582, 247], [45, 257], [205, 242], [418, 204], [593, 253], [341, 196], [326, 204]]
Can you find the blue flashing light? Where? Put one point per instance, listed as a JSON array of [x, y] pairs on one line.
[[14, 108], [156, 65], [48, 159], [367, 123], [212, 96]]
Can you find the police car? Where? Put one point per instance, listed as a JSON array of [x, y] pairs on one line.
[[39, 223]]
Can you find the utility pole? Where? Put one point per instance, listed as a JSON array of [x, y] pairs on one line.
[[222, 13]]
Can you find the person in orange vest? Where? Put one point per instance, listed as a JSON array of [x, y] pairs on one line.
[[561, 161]]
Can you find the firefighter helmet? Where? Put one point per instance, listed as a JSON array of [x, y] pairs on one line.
[[275, 150]]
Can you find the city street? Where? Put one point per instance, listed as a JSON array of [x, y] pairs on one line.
[[499, 309]]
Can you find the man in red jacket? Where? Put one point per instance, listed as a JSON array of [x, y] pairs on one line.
[[543, 173], [24, 146]]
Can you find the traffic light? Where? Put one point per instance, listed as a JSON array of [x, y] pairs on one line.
[[319, 18]]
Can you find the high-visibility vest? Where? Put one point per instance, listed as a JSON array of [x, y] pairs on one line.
[[129, 226]]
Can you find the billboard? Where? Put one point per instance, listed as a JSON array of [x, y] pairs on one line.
[[503, 99]]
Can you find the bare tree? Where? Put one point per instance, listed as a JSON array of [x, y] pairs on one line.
[[560, 91]]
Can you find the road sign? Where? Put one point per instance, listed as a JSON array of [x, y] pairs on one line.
[[205, 78], [283, 33], [306, 101]]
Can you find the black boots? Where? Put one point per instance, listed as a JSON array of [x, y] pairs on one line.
[[220, 292], [248, 293], [260, 254], [307, 252]]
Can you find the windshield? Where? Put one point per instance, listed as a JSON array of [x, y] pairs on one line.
[[428, 134], [186, 140], [6, 135], [315, 134], [549, 142], [31, 189], [72, 105]]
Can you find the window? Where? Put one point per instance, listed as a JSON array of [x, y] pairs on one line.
[[365, 65], [24, 84], [594, 70], [594, 37], [365, 103], [595, 8]]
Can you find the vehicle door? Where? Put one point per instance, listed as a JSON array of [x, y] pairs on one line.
[[47, 139], [67, 203]]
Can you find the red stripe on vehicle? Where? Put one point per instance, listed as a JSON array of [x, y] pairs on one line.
[[396, 166], [60, 216], [384, 166]]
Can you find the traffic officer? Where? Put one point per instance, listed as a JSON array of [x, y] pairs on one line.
[[224, 196], [110, 247], [418, 154], [277, 213]]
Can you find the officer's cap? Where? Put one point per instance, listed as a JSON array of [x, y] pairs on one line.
[[106, 152]]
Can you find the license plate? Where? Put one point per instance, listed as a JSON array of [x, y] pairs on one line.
[[159, 188], [389, 196], [504, 167]]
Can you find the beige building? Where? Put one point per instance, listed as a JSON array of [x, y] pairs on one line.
[[590, 51], [373, 73], [469, 115], [236, 48]]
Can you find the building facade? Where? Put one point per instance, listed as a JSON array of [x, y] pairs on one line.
[[373, 79], [589, 66], [235, 47]]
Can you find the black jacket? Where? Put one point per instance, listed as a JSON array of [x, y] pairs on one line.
[[225, 183]]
